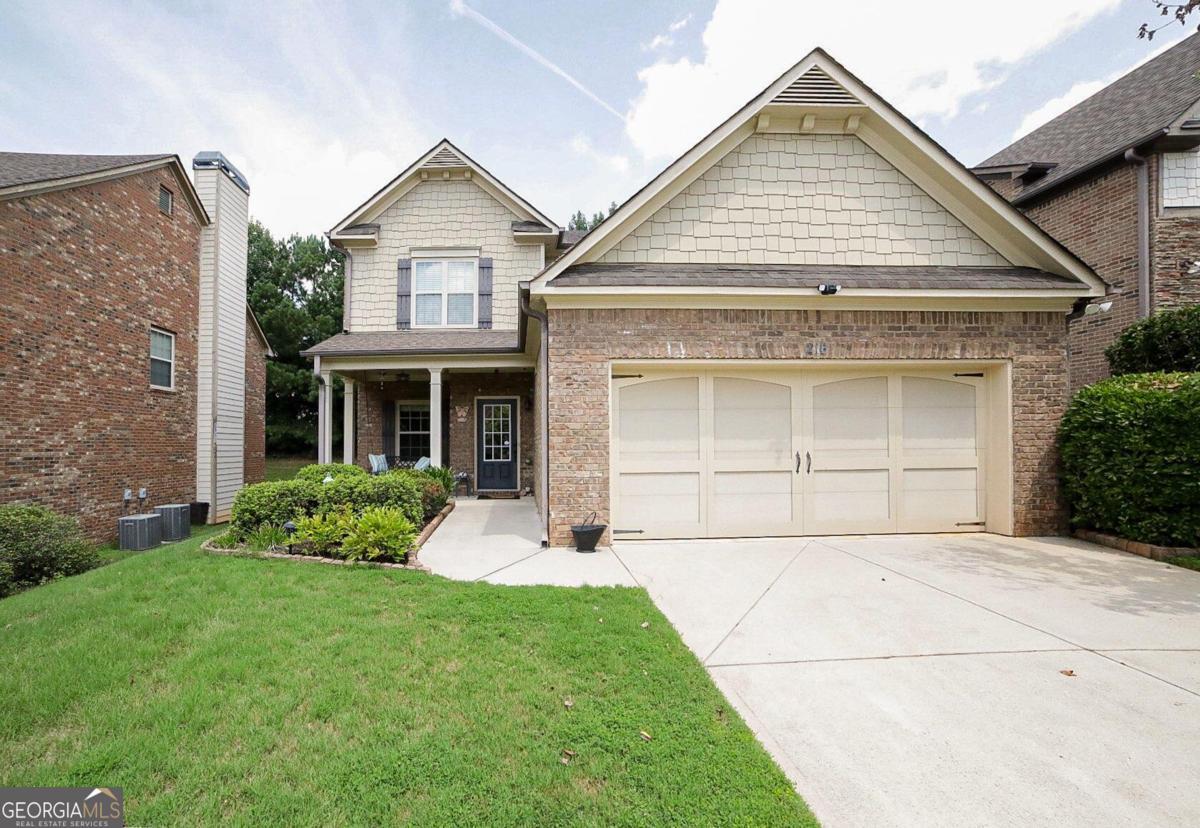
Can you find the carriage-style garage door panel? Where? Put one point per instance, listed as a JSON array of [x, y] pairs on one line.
[[727, 453]]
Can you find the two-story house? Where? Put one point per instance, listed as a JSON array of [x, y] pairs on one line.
[[132, 372], [814, 321], [1116, 178]]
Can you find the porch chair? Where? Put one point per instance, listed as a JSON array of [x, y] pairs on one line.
[[379, 463]]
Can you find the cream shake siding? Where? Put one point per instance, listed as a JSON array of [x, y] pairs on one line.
[[807, 199], [220, 420], [440, 213], [1181, 179]]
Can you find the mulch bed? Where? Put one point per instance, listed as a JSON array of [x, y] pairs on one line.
[[413, 563]]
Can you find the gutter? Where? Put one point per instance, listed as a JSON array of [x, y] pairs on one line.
[[1050, 186], [544, 359], [1143, 230]]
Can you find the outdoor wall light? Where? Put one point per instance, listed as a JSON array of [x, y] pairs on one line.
[[828, 288], [1098, 307]]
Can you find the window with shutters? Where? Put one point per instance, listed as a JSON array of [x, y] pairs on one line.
[[445, 293], [162, 359]]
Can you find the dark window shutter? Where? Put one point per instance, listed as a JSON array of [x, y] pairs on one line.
[[404, 294], [389, 427], [485, 293]]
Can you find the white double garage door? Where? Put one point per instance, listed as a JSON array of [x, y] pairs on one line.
[[729, 452]]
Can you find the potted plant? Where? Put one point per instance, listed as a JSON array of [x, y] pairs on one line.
[[587, 534]]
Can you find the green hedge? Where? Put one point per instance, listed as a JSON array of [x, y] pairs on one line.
[[36, 546], [278, 502], [274, 503], [1131, 458], [317, 472], [1167, 341]]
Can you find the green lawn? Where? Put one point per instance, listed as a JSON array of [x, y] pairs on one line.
[[284, 468], [1186, 562], [246, 691]]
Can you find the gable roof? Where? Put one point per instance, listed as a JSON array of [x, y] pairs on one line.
[[818, 87], [442, 157], [1138, 107], [28, 173]]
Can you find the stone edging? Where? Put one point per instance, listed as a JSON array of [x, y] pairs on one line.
[[433, 524], [1146, 550]]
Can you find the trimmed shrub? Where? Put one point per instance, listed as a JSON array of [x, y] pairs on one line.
[[36, 546], [324, 534], [1167, 341], [1131, 458], [317, 472], [434, 494], [380, 534], [444, 475], [273, 503], [394, 490]]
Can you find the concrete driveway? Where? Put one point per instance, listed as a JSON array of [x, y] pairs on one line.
[[951, 680]]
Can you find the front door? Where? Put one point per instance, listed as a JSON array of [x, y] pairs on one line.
[[496, 444]]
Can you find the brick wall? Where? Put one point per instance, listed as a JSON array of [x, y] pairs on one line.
[[460, 390], [1096, 218], [84, 274], [812, 199], [255, 452], [582, 342]]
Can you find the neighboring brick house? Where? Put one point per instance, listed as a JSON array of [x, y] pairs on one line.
[[1116, 179], [254, 466], [102, 354], [815, 321]]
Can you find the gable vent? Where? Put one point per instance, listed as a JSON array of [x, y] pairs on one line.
[[815, 87], [445, 157]]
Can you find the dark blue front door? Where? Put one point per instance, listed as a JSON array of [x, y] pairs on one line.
[[496, 444]]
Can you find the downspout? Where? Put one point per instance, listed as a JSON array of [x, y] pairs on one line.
[[544, 359], [1143, 230]]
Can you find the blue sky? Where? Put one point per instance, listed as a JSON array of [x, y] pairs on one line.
[[571, 104]]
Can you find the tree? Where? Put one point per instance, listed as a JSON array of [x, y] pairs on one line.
[[578, 221], [294, 286], [1175, 12]]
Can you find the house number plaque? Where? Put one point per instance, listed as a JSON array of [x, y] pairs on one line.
[[816, 347]]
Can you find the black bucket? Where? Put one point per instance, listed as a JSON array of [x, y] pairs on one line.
[[587, 534], [199, 514]]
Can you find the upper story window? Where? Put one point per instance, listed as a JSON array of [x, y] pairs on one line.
[[445, 293], [1181, 179], [166, 200], [162, 359]]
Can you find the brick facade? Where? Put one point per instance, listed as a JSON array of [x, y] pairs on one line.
[[254, 468], [582, 343], [1096, 218], [84, 273], [460, 390]]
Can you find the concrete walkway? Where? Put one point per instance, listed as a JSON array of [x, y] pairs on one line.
[[500, 541], [951, 680]]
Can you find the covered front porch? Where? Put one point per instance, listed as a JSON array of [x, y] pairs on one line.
[[473, 416]]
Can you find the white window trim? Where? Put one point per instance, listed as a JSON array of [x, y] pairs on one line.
[[164, 332], [396, 432], [424, 257]]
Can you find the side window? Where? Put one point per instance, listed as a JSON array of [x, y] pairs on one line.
[[162, 359], [412, 431], [166, 200]]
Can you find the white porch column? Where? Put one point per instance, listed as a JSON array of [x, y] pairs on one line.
[[325, 419], [435, 416], [348, 423]]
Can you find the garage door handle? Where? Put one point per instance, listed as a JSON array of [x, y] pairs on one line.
[[797, 462], [808, 459]]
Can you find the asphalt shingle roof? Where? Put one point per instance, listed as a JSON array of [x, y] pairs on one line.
[[1123, 114], [17, 168], [469, 340], [809, 276]]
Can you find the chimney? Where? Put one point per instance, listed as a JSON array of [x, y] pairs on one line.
[[221, 379]]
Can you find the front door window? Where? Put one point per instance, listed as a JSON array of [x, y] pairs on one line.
[[497, 432]]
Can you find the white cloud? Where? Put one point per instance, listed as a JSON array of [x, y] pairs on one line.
[[921, 56], [310, 155], [1081, 91], [582, 146], [660, 41]]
